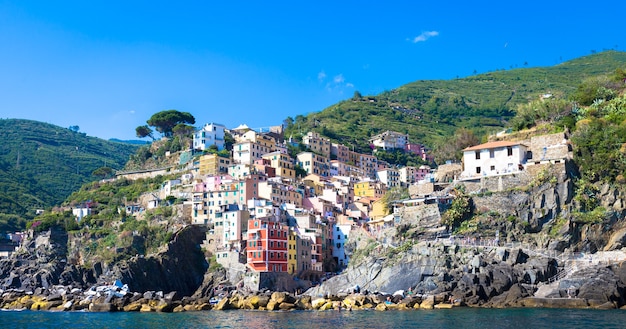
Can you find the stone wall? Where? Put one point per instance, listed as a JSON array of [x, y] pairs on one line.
[[448, 172], [549, 147], [275, 281], [498, 182], [416, 190], [426, 216], [134, 175]]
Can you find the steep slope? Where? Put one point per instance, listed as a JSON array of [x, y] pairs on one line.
[[431, 110], [41, 164]]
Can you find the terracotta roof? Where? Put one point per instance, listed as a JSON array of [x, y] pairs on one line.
[[492, 145]]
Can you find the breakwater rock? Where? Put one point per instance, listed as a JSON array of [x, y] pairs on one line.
[[484, 276]]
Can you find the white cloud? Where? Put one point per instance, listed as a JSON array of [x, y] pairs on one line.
[[132, 112], [425, 36], [338, 84], [321, 76]]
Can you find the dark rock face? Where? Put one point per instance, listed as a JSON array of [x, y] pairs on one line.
[[180, 268], [605, 286], [476, 277], [42, 263]]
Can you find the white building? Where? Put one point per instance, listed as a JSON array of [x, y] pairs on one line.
[[247, 152], [340, 236], [390, 140], [389, 177], [493, 158], [210, 134], [229, 225]]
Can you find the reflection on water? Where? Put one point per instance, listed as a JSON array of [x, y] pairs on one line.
[[454, 318]]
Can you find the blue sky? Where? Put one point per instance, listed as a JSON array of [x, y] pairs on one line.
[[107, 66]]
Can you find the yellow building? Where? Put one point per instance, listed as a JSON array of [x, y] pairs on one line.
[[283, 164], [314, 163], [379, 210], [213, 164], [369, 188], [317, 143], [292, 252], [314, 182]]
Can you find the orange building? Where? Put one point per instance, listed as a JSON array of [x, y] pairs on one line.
[[267, 245]]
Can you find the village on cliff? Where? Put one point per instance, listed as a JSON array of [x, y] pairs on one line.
[[261, 217]]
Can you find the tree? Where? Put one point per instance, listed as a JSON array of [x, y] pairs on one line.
[[182, 129], [144, 131], [103, 172], [229, 141], [300, 172], [357, 95], [165, 121], [460, 210], [451, 148], [74, 128], [394, 194]]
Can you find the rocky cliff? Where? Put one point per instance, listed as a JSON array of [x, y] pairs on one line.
[[42, 262]]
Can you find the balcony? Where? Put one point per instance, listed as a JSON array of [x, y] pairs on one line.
[[256, 260]]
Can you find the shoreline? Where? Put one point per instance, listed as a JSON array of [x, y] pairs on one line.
[[276, 301]]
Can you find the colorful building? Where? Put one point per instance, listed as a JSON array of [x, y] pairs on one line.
[[267, 245], [317, 143], [210, 134], [283, 164], [213, 164], [314, 163]]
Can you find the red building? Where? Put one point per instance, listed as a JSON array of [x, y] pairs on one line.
[[267, 245]]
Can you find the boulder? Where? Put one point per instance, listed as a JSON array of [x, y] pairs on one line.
[[272, 305], [146, 308], [319, 302], [381, 307], [132, 307], [303, 303], [278, 297], [223, 304], [101, 307], [428, 303], [286, 306]]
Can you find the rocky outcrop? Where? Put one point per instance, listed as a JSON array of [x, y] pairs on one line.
[[473, 275], [180, 267], [42, 263]]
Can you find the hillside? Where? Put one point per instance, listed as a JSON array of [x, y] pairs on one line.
[[41, 164], [431, 110]]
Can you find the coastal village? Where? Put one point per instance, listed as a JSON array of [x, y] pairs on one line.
[[261, 217]]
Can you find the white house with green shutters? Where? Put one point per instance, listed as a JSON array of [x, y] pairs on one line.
[[210, 134]]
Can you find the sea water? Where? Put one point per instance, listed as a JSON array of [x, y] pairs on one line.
[[453, 318]]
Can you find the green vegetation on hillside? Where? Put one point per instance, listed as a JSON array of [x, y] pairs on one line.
[[112, 234], [42, 164], [432, 111]]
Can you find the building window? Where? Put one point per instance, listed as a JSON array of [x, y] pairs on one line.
[[492, 153], [493, 168], [509, 150], [477, 155], [478, 170]]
